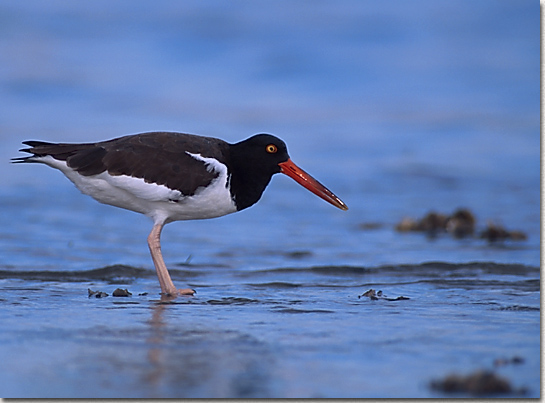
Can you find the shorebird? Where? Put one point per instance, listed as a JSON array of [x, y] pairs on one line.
[[174, 176]]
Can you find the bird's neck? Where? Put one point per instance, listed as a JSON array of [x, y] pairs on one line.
[[247, 181], [246, 187]]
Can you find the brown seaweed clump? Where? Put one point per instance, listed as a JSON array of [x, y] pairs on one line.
[[460, 224], [496, 233], [430, 223], [479, 383]]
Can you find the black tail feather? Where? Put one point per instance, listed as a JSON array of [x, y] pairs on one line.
[[60, 151], [32, 144], [36, 143], [20, 160]]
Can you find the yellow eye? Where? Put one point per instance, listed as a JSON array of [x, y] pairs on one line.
[[271, 149]]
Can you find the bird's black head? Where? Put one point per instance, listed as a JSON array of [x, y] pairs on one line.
[[255, 160], [260, 153], [252, 164]]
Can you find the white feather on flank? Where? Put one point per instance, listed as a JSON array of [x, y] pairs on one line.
[[158, 202]]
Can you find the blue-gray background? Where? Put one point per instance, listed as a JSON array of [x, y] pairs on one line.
[[399, 107]]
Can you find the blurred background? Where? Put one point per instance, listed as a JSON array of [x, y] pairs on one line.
[[399, 107]]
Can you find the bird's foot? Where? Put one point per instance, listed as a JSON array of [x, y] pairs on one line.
[[176, 292], [186, 291]]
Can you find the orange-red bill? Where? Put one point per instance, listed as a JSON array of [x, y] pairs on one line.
[[304, 179]]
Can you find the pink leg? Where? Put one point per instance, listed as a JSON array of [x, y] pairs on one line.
[[167, 286]]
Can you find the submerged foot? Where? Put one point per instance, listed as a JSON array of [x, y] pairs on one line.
[[175, 293], [186, 291]]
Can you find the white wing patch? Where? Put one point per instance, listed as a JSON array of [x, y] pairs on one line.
[[211, 164]]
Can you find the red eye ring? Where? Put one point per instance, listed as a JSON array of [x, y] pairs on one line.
[[271, 149]]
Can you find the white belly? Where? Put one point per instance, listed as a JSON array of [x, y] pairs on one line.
[[158, 202]]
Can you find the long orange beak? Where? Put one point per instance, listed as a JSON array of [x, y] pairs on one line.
[[304, 179]]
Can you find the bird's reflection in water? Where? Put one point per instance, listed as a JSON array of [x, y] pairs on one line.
[[156, 341], [197, 361]]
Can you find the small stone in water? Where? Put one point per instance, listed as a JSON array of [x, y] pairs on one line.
[[96, 294], [376, 295], [119, 292]]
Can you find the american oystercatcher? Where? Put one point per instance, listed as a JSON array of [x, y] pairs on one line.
[[174, 176]]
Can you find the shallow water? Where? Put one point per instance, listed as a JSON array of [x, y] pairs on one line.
[[289, 332], [399, 109]]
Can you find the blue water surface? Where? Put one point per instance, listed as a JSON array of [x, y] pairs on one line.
[[399, 107]]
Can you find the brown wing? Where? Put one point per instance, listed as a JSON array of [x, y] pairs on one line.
[[158, 157]]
